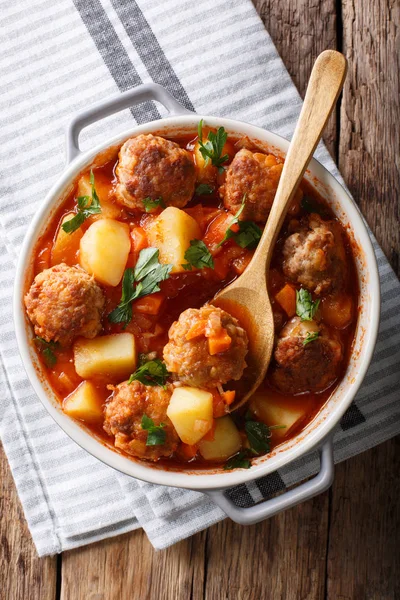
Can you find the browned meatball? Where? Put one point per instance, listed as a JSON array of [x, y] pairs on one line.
[[152, 167], [305, 367], [123, 419], [314, 256], [255, 176], [189, 355], [63, 303]]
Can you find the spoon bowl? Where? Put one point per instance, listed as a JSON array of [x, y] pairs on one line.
[[247, 297]]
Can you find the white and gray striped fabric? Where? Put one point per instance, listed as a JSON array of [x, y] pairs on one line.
[[216, 58]]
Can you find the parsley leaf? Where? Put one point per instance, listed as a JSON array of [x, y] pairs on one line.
[[203, 189], [249, 234], [229, 233], [305, 307], [150, 204], [212, 148], [239, 461], [147, 274], [310, 337], [152, 372], [156, 435], [258, 435], [47, 350], [198, 255], [87, 206]]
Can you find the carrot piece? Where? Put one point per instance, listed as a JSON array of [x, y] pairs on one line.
[[197, 330], [139, 241], [187, 452], [229, 396], [217, 229], [221, 267], [210, 435], [241, 262], [149, 305], [219, 406], [198, 215], [219, 343], [337, 310], [286, 297]]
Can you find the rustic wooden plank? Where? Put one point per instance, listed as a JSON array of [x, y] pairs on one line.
[[128, 568], [370, 116], [364, 557], [301, 29], [22, 573], [284, 557]]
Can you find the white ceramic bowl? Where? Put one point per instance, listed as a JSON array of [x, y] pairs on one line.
[[324, 423]]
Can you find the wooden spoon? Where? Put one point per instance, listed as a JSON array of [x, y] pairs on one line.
[[247, 297]]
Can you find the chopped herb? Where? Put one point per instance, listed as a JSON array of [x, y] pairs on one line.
[[150, 204], [305, 307], [47, 350], [156, 435], [139, 282], [258, 435], [87, 206], [203, 189], [310, 337], [198, 255], [212, 148], [152, 372], [229, 233], [249, 234], [239, 461]]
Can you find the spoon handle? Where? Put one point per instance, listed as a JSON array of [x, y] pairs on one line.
[[323, 89]]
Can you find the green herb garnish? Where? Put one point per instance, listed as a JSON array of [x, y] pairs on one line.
[[259, 436], [212, 148], [239, 461], [153, 372], [156, 435], [47, 350], [310, 337], [87, 206], [138, 282], [249, 234], [150, 204], [198, 256], [229, 233], [305, 307], [203, 189]]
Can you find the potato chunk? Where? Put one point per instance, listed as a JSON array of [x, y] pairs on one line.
[[273, 409], [191, 413], [171, 233], [104, 190], [66, 245], [112, 355], [226, 442], [104, 250], [85, 403]]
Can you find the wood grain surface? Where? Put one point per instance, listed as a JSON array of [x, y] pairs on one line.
[[344, 544]]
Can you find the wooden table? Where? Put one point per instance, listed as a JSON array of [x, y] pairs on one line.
[[343, 545]]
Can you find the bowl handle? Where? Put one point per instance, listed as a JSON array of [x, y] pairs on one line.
[[104, 108], [269, 508]]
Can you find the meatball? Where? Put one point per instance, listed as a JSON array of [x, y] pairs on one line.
[[302, 366], [63, 303], [123, 419], [152, 167], [187, 354], [314, 256], [255, 176]]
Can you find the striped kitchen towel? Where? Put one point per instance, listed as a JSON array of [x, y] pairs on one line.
[[57, 58]]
